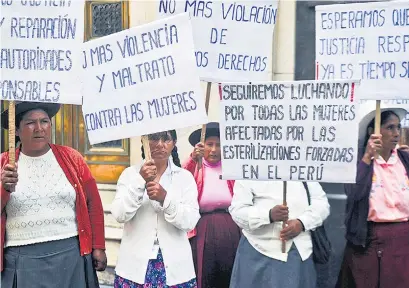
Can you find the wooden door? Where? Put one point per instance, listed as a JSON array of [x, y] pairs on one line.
[[106, 160]]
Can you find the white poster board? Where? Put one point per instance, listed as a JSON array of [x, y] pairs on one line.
[[290, 131], [141, 80], [40, 45], [233, 39], [368, 41]]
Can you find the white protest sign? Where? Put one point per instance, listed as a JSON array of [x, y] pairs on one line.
[[290, 131], [40, 45], [368, 41], [399, 103], [141, 80], [233, 39]]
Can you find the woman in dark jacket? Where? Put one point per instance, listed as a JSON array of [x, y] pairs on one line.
[[377, 211]]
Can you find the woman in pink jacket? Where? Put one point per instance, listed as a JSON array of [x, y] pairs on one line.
[[216, 237]]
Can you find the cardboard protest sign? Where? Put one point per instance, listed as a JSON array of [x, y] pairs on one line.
[[368, 41], [141, 80], [40, 45], [233, 39], [290, 131]]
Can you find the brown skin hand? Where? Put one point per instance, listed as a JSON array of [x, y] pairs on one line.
[[385, 142]]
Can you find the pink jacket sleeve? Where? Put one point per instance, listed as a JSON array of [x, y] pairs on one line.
[[190, 165]]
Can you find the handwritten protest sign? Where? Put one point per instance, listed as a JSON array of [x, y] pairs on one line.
[[40, 45], [290, 131], [368, 41], [141, 80], [233, 39]]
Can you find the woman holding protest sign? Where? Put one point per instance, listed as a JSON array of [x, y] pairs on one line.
[[157, 201], [377, 210], [257, 208], [214, 240], [52, 221]]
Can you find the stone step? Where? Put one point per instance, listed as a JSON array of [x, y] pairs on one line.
[[107, 193], [113, 234], [106, 278], [111, 222], [107, 196], [112, 249], [113, 238]]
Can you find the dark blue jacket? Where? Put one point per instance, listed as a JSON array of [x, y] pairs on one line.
[[357, 207]]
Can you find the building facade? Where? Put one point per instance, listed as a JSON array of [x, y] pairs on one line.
[[294, 59]]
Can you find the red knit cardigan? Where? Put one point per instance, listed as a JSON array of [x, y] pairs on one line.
[[88, 205]]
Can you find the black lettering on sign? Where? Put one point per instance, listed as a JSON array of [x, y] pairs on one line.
[[267, 133], [306, 173], [329, 154], [250, 171], [323, 134], [133, 113], [295, 133], [273, 173], [299, 112], [237, 133], [268, 112], [235, 112]]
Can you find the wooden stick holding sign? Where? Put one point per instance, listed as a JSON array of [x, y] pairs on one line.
[[378, 117], [283, 248], [12, 135], [203, 135], [378, 121], [146, 148]]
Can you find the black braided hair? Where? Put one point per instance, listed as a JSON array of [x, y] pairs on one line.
[[165, 136], [175, 157], [143, 152], [384, 117]]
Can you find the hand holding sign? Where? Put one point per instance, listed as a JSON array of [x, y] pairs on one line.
[[292, 229], [148, 171], [155, 191], [9, 177], [198, 152], [374, 145], [279, 213]]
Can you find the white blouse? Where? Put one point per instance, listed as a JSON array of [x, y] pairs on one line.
[[250, 207], [42, 208], [146, 221]]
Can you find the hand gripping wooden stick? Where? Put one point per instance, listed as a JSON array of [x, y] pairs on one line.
[[146, 148], [203, 134]]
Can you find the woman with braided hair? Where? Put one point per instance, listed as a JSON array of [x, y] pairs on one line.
[[157, 201]]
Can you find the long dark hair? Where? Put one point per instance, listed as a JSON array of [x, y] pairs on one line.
[[166, 135], [384, 117]]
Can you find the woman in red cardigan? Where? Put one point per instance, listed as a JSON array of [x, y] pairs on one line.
[[214, 241], [52, 221]]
